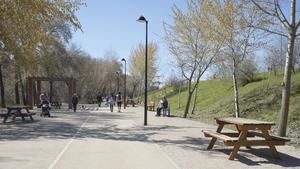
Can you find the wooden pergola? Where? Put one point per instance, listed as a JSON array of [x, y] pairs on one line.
[[33, 88]]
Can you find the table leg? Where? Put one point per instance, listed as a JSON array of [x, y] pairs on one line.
[[21, 114], [237, 127], [213, 140], [272, 147], [242, 136], [6, 116], [27, 110]]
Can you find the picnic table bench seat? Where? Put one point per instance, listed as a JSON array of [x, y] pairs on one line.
[[2, 114], [24, 114], [284, 139], [222, 136], [230, 139]]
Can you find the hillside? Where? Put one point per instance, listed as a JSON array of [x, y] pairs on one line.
[[258, 100]]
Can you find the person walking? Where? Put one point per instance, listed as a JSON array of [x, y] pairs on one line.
[[99, 100], [119, 101], [75, 101], [43, 97], [111, 102]]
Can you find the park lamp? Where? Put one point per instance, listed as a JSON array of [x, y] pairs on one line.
[[124, 60], [11, 57], [118, 81], [2, 45], [143, 19]]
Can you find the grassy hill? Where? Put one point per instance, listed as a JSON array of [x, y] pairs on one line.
[[258, 100]]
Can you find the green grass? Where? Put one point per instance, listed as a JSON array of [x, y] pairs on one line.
[[258, 100]]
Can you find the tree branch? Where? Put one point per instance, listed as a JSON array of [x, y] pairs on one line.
[[261, 8], [282, 20], [297, 26], [270, 31]]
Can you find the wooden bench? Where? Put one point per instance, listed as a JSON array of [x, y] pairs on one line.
[[281, 140], [132, 102], [56, 104], [222, 136], [166, 111], [246, 128], [151, 106], [16, 111]]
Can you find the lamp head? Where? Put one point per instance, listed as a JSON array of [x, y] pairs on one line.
[[2, 45], [123, 60], [142, 19], [11, 56]]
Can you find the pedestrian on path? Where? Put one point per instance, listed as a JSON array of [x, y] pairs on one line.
[[43, 97], [99, 100], [111, 102], [119, 101], [75, 101]]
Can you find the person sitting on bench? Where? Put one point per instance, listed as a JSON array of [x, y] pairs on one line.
[[163, 105]]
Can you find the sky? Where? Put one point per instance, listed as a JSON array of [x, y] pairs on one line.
[[111, 25]]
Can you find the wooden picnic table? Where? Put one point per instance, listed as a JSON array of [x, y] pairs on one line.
[[16, 111], [56, 104], [249, 133]]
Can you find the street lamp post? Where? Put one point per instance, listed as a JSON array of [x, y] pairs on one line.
[[118, 82], [124, 60], [143, 19]]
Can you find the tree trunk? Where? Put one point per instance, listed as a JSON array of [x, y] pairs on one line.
[[188, 103], [293, 68], [179, 94], [133, 90], [275, 72], [236, 92], [22, 87], [17, 88], [51, 91], [189, 98], [286, 86], [2, 89], [195, 99]]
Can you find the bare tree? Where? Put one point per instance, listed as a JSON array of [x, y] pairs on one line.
[[229, 22], [296, 58], [274, 10], [189, 43], [275, 58], [137, 67]]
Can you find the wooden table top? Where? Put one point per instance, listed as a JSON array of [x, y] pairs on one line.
[[18, 107], [243, 121]]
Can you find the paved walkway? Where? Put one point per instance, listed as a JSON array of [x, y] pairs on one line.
[[99, 139]]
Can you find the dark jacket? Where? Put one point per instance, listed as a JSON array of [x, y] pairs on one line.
[[75, 100], [165, 104]]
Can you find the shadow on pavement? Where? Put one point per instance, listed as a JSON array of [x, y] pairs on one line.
[[246, 155], [106, 127]]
